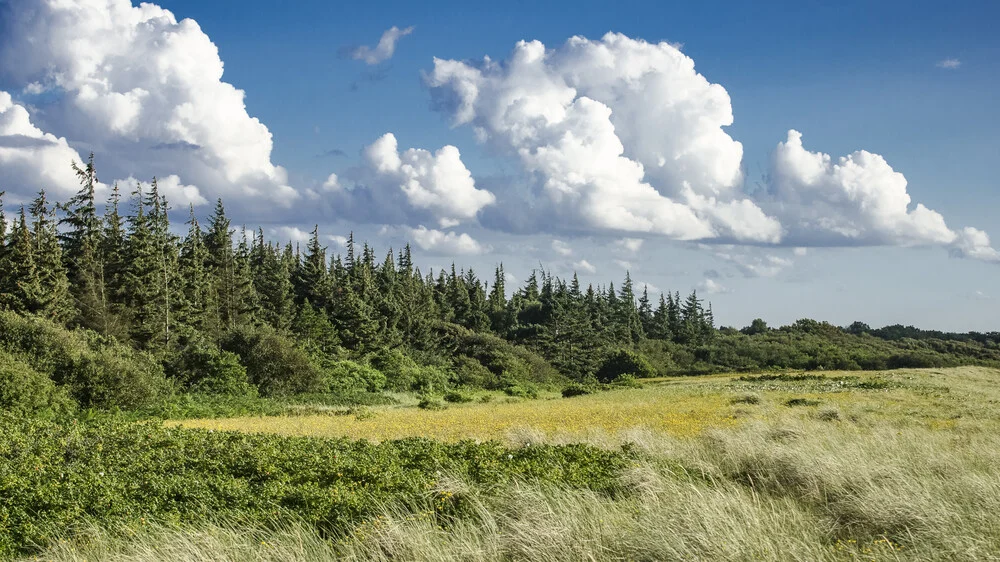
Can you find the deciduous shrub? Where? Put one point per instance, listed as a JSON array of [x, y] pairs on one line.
[[624, 362], [203, 368], [274, 363], [351, 376], [24, 391]]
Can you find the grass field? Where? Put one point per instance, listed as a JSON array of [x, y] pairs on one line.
[[901, 465], [677, 406]]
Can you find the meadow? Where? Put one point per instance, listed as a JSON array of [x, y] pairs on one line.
[[894, 465]]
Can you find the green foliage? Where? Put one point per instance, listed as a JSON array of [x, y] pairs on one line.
[[576, 389], [273, 362], [351, 376], [205, 369], [26, 392], [96, 372], [457, 397], [113, 472], [431, 403], [624, 362], [117, 377], [470, 373]]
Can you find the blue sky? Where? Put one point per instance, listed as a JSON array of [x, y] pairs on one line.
[[847, 75]]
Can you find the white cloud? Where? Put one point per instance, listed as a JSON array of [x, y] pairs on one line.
[[332, 183], [622, 134], [446, 243], [975, 244], [624, 264], [584, 266], [562, 248], [949, 63], [142, 90], [31, 159], [800, 251], [712, 287], [290, 234], [384, 50], [630, 245], [652, 289], [178, 195], [337, 239], [754, 263], [857, 200], [409, 187]]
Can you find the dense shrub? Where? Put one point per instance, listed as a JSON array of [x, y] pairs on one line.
[[118, 377], [624, 362], [467, 371], [504, 360], [24, 391], [274, 363], [98, 373], [204, 368], [576, 389], [351, 376], [107, 473], [456, 397], [399, 369]]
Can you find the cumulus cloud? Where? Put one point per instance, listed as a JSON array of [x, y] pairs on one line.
[[856, 200], [384, 50], [584, 266], [31, 159], [622, 135], [712, 287], [562, 248], [291, 234], [974, 243], [446, 243], [630, 245], [949, 63], [142, 90], [178, 195], [408, 187]]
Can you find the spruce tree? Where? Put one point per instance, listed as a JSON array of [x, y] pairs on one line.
[[56, 301]]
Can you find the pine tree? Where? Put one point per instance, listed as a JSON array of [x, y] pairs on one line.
[[233, 289]]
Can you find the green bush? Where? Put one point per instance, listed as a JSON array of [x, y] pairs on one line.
[[624, 362], [118, 377], [626, 380], [399, 369], [275, 364], [429, 403], [522, 391], [576, 389], [205, 369], [429, 379], [24, 391], [457, 397], [470, 372], [98, 373], [351, 376], [55, 477]]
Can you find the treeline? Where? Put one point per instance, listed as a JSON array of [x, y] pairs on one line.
[[226, 311]]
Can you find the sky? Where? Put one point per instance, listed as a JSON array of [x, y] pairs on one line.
[[785, 159]]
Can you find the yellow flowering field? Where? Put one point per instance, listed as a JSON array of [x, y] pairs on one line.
[[679, 407]]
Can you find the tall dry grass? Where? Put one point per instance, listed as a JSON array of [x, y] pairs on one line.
[[880, 477]]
